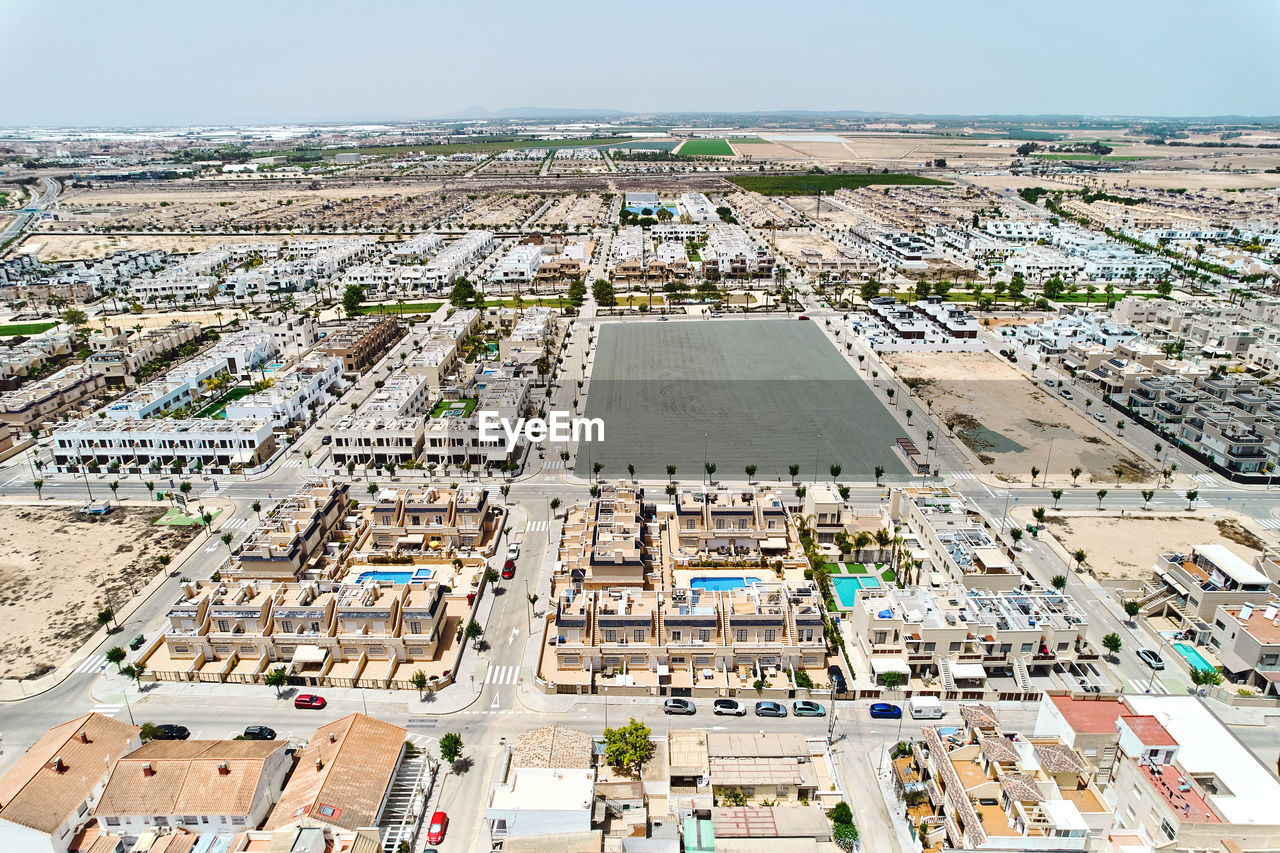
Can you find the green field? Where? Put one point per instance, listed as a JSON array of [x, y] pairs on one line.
[[769, 393], [705, 148], [493, 146], [752, 140], [1110, 158], [525, 302], [24, 329], [407, 308], [804, 184], [654, 145]]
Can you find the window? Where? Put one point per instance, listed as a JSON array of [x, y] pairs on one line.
[[610, 636], [702, 661], [190, 820], [415, 627], [223, 625], [704, 635], [636, 660], [719, 524], [1168, 829], [741, 635], [637, 635], [955, 647], [571, 660], [286, 626], [328, 811], [181, 650], [690, 524], [677, 660], [1026, 647], [770, 635], [113, 821], [675, 636]]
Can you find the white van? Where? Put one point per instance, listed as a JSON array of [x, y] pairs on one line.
[[925, 708]]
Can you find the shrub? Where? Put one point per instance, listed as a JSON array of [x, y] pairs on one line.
[[803, 680], [841, 813]]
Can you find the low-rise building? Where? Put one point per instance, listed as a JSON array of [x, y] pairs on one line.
[[162, 444], [37, 402], [544, 783], [360, 342]]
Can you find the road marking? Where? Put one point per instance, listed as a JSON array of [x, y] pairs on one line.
[[235, 523], [212, 546], [1268, 523], [536, 526], [93, 663], [963, 475], [106, 710], [502, 675]]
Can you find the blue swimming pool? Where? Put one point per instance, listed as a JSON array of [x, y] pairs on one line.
[[273, 367], [846, 587], [1193, 657], [415, 576], [721, 583]]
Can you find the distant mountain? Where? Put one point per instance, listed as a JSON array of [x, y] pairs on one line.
[[541, 113]]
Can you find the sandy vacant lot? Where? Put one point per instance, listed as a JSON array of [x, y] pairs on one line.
[[58, 568], [63, 247], [1009, 423], [1126, 548]]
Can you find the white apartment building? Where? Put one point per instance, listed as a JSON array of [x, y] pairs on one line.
[[698, 208], [417, 248], [455, 259], [388, 425], [730, 252], [519, 266], [297, 394], [161, 444]]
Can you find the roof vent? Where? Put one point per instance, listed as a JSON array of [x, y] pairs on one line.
[[84, 737], [223, 769], [333, 738], [58, 765], [319, 763], [147, 769]]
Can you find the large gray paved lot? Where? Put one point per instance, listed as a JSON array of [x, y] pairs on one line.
[[761, 391]]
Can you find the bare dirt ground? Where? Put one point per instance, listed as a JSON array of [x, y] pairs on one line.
[[1126, 548], [1009, 422], [70, 247], [58, 568]]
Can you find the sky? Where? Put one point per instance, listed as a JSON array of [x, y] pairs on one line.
[[274, 61]]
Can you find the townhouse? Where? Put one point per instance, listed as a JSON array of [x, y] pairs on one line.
[[297, 394], [726, 528], [428, 520], [528, 338], [952, 541], [604, 543], [163, 444], [361, 341], [698, 208], [118, 355], [292, 541], [730, 253], [37, 402], [1246, 639], [388, 426], [1191, 587], [544, 783], [519, 265], [789, 772], [452, 436], [456, 259], [417, 248]]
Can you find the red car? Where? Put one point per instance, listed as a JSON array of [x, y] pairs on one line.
[[508, 570], [435, 833], [309, 700], [802, 317]]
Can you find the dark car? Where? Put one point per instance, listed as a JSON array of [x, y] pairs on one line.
[[885, 711], [838, 684], [770, 709], [259, 733], [508, 570], [679, 706], [309, 700], [168, 731], [802, 317]]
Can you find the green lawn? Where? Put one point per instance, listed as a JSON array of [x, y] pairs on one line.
[[857, 569], [705, 148], [525, 301], [805, 184], [407, 308], [24, 329], [478, 147], [212, 411], [469, 406]]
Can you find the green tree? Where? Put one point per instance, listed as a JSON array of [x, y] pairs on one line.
[[841, 813], [74, 317], [1079, 556], [106, 616], [891, 680], [835, 472], [148, 731], [1100, 494], [793, 470], [116, 655], [473, 631], [879, 473], [276, 678], [602, 292], [1132, 608], [1039, 514], [39, 486], [1057, 496], [869, 290], [1016, 534], [1192, 494], [352, 298], [751, 472], [845, 835], [419, 681], [1205, 677], [1147, 495], [628, 746], [1059, 582], [1075, 474], [226, 540], [450, 747], [1112, 643]]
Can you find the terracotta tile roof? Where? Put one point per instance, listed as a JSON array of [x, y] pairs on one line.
[[998, 749], [1058, 758], [178, 841], [1020, 786], [978, 715], [357, 758], [104, 844], [1148, 730], [553, 746], [35, 794], [185, 778]]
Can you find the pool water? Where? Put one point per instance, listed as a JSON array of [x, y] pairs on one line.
[[846, 588], [415, 576], [1193, 657], [719, 584]]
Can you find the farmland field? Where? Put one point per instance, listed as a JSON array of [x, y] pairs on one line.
[[801, 184], [706, 148]]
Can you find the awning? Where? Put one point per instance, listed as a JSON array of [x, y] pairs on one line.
[[881, 665], [969, 670], [1171, 581], [774, 543], [310, 654], [663, 669]]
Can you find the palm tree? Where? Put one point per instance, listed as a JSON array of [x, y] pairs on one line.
[[1101, 493], [1079, 556], [861, 540], [879, 471], [39, 485], [1057, 496], [256, 506], [1075, 474], [1035, 472], [1059, 582], [751, 472]]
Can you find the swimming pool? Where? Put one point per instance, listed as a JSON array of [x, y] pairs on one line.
[[273, 367], [415, 576], [846, 588], [1193, 657], [721, 583]]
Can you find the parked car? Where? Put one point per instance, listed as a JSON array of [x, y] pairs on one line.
[[805, 708], [679, 706], [136, 642], [309, 700], [435, 832], [662, 319], [508, 570], [513, 551], [802, 317], [1151, 659], [838, 684], [168, 731], [885, 711], [731, 707], [259, 733], [328, 439], [1049, 383], [1066, 394], [716, 314], [770, 709], [1099, 417]]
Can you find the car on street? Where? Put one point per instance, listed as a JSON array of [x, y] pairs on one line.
[[885, 711], [1049, 383], [805, 708], [1066, 394], [728, 707], [1099, 417], [679, 706], [309, 700], [802, 317], [662, 319], [259, 733], [716, 314], [169, 731], [513, 551], [435, 832], [1151, 659], [508, 570], [768, 708], [838, 684]]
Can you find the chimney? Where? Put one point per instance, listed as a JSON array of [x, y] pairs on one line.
[[84, 737], [319, 764], [223, 769], [146, 769], [333, 738], [57, 765]]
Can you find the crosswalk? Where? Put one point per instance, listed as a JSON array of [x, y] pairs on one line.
[[235, 523], [1268, 523], [502, 675], [93, 663], [293, 463], [1206, 479], [107, 710], [537, 526], [554, 464], [963, 475]]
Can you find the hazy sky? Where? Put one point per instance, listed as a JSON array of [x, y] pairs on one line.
[[136, 62]]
